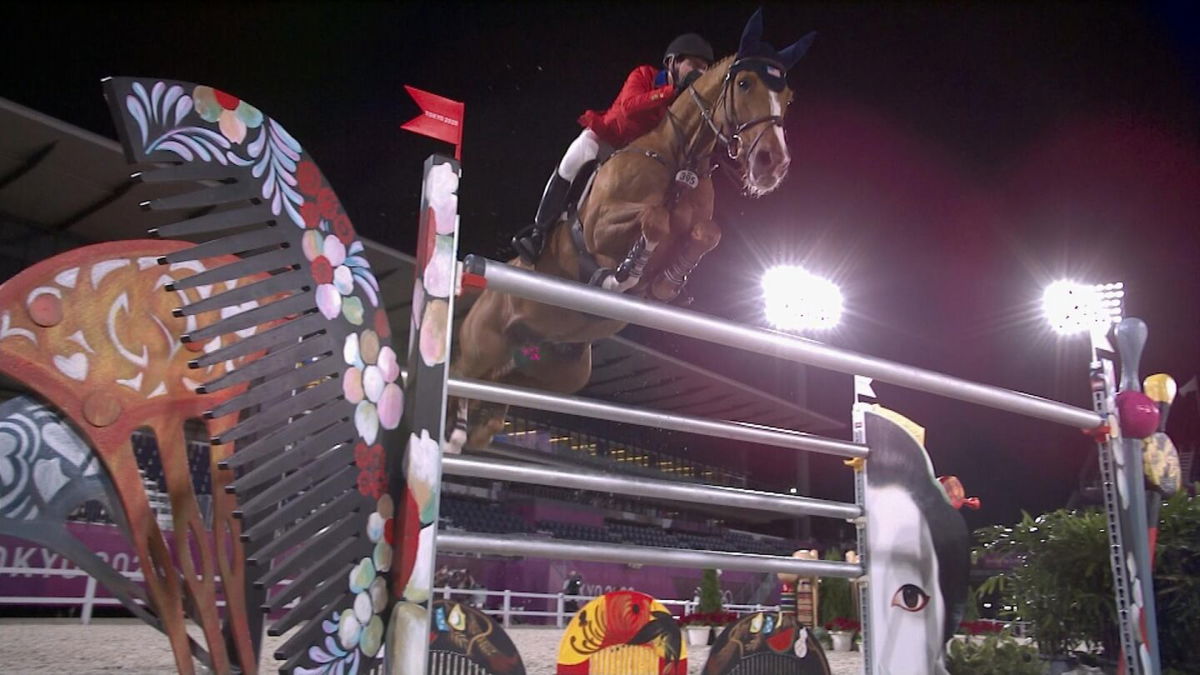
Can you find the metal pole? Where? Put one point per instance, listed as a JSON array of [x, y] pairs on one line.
[[657, 315], [574, 405], [523, 546], [89, 601], [864, 395], [508, 608], [647, 487]]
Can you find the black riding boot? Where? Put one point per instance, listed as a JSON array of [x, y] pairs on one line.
[[530, 241]]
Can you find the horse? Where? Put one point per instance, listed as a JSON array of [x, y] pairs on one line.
[[641, 229]]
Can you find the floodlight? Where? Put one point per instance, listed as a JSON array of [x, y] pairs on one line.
[[797, 300], [1073, 307]]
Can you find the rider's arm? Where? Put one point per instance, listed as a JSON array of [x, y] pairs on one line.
[[639, 95]]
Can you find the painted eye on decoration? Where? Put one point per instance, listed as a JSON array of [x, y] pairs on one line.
[[910, 598]]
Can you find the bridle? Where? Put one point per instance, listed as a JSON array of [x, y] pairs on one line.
[[732, 140], [690, 162]]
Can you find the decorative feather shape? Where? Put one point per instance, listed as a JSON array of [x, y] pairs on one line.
[[319, 409]]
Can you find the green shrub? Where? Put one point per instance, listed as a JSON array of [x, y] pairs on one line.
[[1063, 584], [997, 654], [710, 593], [835, 601], [1177, 583]]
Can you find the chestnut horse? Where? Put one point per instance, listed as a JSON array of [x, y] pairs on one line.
[[645, 224]]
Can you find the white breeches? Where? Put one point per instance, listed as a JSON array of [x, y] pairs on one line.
[[582, 150]]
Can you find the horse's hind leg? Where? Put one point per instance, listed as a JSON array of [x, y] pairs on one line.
[[487, 420], [483, 351], [457, 416], [560, 368], [702, 238]]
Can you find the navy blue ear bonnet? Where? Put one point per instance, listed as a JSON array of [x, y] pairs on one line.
[[760, 57]]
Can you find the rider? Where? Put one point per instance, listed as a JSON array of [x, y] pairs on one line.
[[640, 106]]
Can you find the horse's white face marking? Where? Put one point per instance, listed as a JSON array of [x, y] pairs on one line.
[[777, 110], [764, 179]]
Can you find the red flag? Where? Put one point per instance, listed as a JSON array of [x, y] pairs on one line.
[[440, 118]]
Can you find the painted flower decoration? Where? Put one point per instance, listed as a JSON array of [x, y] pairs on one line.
[[372, 480], [439, 273], [433, 337], [370, 384], [335, 275], [357, 632], [308, 177], [422, 470], [441, 187], [232, 115]]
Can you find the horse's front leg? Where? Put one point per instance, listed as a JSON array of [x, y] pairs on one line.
[[702, 238], [656, 227]]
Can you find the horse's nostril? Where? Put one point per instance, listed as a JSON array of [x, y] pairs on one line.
[[762, 158]]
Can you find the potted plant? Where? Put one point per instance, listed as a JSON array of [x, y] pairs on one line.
[[836, 611], [699, 625], [841, 632], [708, 610]]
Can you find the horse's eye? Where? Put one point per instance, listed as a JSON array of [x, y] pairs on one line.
[[910, 598], [744, 83]]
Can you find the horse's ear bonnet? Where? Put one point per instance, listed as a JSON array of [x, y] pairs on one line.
[[771, 65]]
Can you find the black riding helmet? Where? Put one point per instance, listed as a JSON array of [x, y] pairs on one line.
[[689, 44]]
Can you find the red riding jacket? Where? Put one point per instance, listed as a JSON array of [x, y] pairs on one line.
[[639, 108]]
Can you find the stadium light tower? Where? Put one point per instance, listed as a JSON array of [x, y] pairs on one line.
[[797, 300], [1072, 307]]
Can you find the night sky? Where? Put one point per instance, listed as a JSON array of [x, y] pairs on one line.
[[948, 160]]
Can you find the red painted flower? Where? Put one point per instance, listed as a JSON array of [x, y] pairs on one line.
[[342, 228], [368, 457], [226, 101], [322, 271], [372, 479], [382, 328], [308, 178], [311, 214], [327, 203], [372, 483]]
